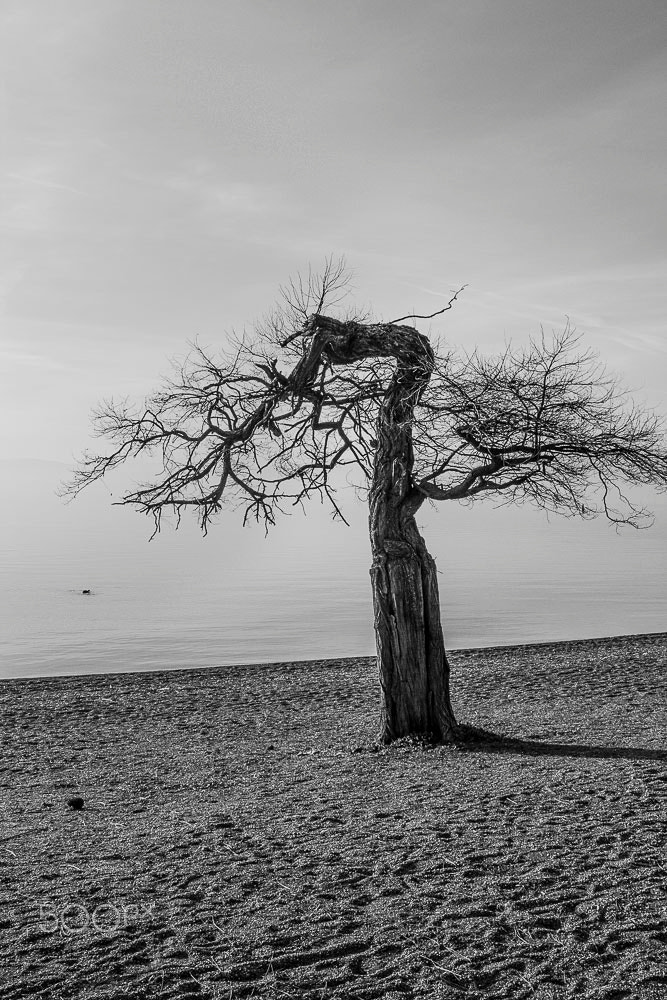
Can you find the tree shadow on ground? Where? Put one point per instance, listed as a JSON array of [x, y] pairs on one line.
[[481, 741]]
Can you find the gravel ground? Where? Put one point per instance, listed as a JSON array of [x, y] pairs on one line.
[[242, 836]]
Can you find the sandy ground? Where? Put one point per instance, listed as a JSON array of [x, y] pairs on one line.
[[242, 837]]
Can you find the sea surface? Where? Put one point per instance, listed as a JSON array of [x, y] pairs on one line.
[[507, 576]]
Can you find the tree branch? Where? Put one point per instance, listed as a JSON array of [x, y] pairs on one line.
[[268, 425], [438, 312]]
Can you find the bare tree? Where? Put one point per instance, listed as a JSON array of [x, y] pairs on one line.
[[269, 424]]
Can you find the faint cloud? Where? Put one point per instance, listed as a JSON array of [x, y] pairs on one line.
[[203, 183], [653, 343], [29, 215], [43, 27], [8, 282], [614, 274], [33, 195], [43, 182], [242, 198], [40, 361]]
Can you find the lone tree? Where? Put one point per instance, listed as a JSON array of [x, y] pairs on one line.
[[267, 425]]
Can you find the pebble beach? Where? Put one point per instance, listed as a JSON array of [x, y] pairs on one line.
[[241, 834]]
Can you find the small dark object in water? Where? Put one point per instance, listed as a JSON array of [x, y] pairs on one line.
[[76, 802], [85, 591]]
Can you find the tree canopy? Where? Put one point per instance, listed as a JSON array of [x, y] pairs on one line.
[[264, 425]]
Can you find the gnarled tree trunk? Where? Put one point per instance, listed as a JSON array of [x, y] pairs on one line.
[[413, 668]]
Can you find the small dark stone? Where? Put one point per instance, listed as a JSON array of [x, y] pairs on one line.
[[85, 591], [76, 802]]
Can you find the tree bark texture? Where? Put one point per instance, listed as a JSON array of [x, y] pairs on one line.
[[412, 664]]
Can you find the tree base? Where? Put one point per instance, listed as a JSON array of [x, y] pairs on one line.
[[459, 735]]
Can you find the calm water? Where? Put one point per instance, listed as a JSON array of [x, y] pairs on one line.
[[507, 576]]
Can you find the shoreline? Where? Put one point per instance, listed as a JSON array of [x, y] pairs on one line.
[[275, 664]]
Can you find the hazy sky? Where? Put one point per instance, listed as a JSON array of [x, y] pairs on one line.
[[167, 163]]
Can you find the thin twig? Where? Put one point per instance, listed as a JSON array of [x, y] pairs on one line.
[[431, 315]]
